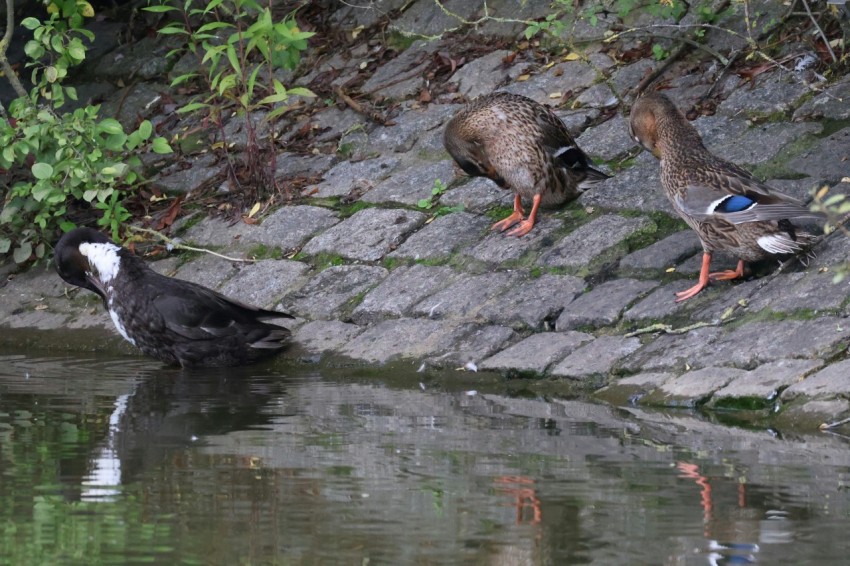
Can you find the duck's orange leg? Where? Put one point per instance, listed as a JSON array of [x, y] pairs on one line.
[[701, 284], [728, 274], [526, 225], [516, 216]]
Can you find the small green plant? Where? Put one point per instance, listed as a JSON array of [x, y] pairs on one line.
[[239, 46], [659, 52], [836, 208], [436, 192], [430, 202], [55, 163]]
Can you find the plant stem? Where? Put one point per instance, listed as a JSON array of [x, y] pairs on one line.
[[4, 61], [180, 246]]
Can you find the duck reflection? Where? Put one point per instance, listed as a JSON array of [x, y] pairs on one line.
[[169, 412]]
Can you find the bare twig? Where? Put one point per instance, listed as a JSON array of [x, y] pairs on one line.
[[820, 31], [827, 426], [4, 45], [175, 244], [361, 109], [667, 329]]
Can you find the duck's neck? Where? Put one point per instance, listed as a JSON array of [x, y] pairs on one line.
[[679, 141], [103, 258]]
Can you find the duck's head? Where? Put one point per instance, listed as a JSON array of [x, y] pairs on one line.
[[86, 258], [660, 127]]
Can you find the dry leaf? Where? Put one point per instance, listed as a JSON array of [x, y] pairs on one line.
[[549, 65], [572, 56], [556, 94], [254, 210], [521, 78]]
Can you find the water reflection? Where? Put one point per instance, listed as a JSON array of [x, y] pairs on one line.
[[125, 460]]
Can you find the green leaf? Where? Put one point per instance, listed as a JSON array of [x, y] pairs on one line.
[[301, 91], [34, 49], [234, 60], [172, 29], [89, 195], [159, 9], [192, 106], [160, 145], [145, 129], [77, 52], [213, 26], [277, 112], [30, 23], [42, 171], [5, 244], [183, 78], [110, 126], [115, 142], [22, 253], [272, 98], [212, 6]]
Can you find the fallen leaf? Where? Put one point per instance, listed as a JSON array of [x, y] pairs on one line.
[[549, 65], [670, 270], [556, 94], [572, 56], [522, 78], [254, 210]]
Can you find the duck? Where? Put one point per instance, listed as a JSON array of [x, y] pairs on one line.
[[730, 209], [177, 322], [522, 146]]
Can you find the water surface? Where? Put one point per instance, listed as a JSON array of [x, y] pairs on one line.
[[108, 460]]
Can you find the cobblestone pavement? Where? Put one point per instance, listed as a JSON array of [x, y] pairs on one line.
[[376, 278]]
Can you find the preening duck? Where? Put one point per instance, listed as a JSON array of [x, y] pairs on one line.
[[175, 321], [729, 208], [522, 146]]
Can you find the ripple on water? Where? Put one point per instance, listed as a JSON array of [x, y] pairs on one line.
[[252, 465]]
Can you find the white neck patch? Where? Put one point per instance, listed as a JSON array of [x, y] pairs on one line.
[[103, 258]]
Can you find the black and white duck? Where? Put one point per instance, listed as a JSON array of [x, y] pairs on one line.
[[175, 321]]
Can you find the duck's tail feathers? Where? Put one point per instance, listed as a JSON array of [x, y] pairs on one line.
[[593, 177]]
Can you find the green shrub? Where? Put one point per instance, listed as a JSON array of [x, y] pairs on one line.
[[239, 46], [53, 162]]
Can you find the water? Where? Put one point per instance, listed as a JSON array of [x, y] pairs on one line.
[[106, 460]]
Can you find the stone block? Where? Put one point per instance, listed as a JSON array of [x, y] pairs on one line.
[[368, 235]]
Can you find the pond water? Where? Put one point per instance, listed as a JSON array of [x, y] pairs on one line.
[[106, 460]]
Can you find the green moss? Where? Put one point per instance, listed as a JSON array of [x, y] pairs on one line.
[[777, 168], [535, 272], [499, 212], [776, 117], [832, 126], [321, 260], [399, 41], [391, 263], [434, 260], [325, 202], [347, 210], [264, 252], [192, 220]]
